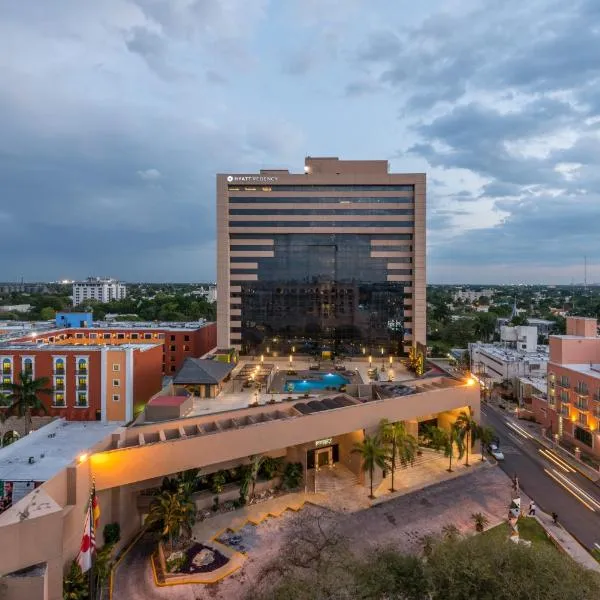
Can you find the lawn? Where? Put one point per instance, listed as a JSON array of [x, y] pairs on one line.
[[529, 529]]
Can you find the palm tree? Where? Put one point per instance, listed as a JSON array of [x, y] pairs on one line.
[[24, 396], [486, 436], [452, 439], [467, 429], [480, 521], [256, 462], [373, 455], [404, 445], [173, 514]]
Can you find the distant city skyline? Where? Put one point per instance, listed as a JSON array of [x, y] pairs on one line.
[[116, 116]]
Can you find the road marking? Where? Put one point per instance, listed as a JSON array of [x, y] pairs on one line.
[[519, 430], [575, 490], [514, 438], [557, 460]]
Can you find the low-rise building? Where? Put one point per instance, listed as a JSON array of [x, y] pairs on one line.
[[571, 408], [101, 289], [517, 356], [544, 326], [471, 295], [106, 372], [41, 532]]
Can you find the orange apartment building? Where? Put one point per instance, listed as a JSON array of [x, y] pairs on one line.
[[571, 408], [104, 374]]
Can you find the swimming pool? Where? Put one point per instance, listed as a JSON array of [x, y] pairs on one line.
[[317, 382]]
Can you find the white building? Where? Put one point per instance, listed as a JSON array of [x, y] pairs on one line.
[[98, 288], [209, 292], [471, 296], [518, 355]]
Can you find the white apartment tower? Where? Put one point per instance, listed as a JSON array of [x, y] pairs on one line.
[[99, 289]]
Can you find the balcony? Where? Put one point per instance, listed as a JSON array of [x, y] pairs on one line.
[[59, 387], [581, 391], [564, 383], [82, 371], [581, 405], [82, 387], [59, 371]]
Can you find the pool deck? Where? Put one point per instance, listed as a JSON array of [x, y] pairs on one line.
[[339, 378]]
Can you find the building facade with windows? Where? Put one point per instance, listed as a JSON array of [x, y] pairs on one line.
[[90, 383], [331, 261], [99, 289], [102, 373], [571, 408]]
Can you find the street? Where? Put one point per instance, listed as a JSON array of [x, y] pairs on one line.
[[552, 483]]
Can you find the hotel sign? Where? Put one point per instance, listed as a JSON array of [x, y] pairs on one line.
[[251, 179], [325, 442]]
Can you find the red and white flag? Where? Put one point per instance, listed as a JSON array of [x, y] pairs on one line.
[[88, 543]]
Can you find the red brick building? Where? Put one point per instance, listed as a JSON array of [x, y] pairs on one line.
[[106, 373]]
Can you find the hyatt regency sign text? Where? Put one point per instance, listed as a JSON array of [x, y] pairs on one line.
[[250, 179]]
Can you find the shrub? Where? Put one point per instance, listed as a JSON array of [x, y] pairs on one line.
[[270, 467], [112, 533], [292, 475], [217, 482], [175, 562]]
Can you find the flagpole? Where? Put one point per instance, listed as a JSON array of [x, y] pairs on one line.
[[92, 536]]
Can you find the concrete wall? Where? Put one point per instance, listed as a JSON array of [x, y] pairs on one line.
[[582, 326]]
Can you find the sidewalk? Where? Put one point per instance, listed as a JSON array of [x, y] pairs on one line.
[[533, 429], [566, 542]]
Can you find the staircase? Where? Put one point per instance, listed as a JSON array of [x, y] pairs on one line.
[[332, 479], [427, 456]]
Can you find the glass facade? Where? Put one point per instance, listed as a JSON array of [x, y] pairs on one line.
[[322, 292]]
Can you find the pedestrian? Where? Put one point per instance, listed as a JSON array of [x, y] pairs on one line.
[[555, 518], [532, 508]]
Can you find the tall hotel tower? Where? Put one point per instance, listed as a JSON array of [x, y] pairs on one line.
[[327, 262]]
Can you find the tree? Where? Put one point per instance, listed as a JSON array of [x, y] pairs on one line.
[[172, 514], [75, 584], [468, 430], [256, 462], [485, 325], [47, 314], [403, 445], [454, 568], [373, 454], [24, 396], [292, 475], [486, 436], [480, 521], [452, 439]]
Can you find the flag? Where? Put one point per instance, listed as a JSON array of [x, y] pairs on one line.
[[84, 558], [95, 508]]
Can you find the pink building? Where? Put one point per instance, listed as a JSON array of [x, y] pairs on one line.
[[571, 409]]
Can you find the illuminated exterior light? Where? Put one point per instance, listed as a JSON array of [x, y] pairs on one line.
[[83, 457]]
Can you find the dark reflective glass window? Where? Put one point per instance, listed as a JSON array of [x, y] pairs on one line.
[[338, 188], [321, 200], [321, 224], [320, 292], [327, 211], [250, 248], [372, 236]]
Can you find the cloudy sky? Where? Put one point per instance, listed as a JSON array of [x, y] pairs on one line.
[[116, 114]]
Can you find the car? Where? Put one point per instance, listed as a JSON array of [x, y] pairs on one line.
[[495, 451]]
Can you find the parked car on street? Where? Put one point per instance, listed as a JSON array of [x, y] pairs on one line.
[[495, 451]]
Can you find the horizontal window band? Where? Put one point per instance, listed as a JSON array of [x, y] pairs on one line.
[[315, 187], [241, 248], [324, 211], [322, 224], [371, 235]]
